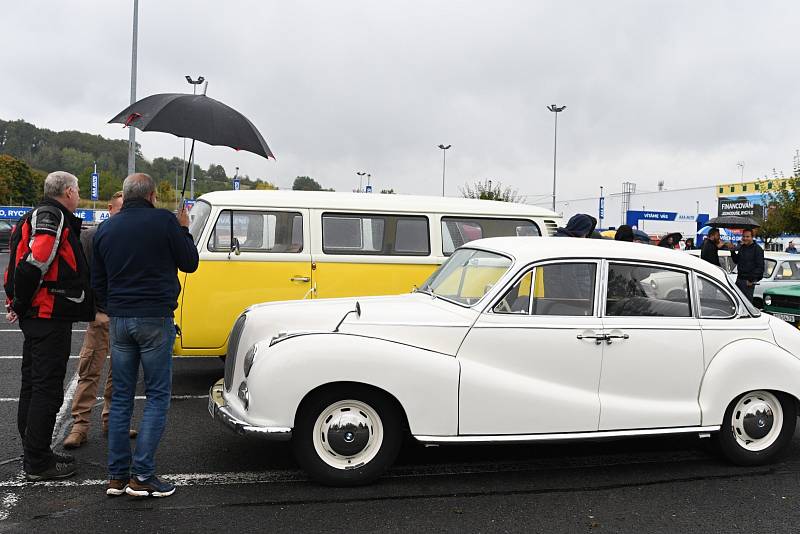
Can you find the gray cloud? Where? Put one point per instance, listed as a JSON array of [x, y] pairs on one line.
[[676, 90]]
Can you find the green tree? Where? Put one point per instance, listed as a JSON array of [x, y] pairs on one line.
[[264, 185], [782, 209], [18, 182], [166, 192], [217, 173], [306, 183], [486, 190]]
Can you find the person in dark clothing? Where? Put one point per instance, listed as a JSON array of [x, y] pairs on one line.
[[624, 233], [47, 285], [579, 225], [711, 245], [137, 254], [749, 261], [689, 245]]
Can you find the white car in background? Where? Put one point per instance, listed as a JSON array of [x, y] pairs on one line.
[[519, 339]]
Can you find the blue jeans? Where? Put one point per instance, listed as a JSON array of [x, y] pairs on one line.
[[147, 341]]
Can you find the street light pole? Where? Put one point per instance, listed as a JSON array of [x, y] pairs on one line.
[[556, 110], [361, 176], [194, 84], [444, 162], [131, 129]]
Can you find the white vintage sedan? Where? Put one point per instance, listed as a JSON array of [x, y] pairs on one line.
[[517, 339]]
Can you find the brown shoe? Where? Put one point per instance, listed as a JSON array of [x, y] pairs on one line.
[[75, 439], [116, 487]]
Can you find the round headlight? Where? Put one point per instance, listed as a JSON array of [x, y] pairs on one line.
[[249, 358], [768, 300]]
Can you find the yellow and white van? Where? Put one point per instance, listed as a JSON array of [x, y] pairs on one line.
[[291, 245]]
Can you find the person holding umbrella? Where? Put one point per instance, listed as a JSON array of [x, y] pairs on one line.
[[750, 264], [670, 240]]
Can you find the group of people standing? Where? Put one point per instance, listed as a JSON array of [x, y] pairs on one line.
[[121, 278], [748, 257]]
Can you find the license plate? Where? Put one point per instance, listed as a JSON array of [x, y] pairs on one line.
[[789, 318]]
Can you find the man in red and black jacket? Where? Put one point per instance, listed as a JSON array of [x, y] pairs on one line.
[[48, 289]]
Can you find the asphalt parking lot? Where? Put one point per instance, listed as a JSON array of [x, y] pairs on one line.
[[672, 484]]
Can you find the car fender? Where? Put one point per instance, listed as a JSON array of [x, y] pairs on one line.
[[425, 383], [746, 365]]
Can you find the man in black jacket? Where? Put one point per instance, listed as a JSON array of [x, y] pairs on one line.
[[137, 255], [750, 264], [709, 251]]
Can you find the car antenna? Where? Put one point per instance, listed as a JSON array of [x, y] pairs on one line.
[[357, 311]]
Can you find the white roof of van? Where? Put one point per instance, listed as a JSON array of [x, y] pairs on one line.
[[378, 202]]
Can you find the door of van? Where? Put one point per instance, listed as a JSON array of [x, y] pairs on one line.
[[270, 260]]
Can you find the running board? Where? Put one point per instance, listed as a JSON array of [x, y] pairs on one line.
[[568, 436]]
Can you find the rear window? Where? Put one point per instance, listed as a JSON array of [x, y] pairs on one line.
[[388, 235], [457, 231]]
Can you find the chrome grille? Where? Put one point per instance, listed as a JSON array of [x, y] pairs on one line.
[[233, 346], [551, 227]]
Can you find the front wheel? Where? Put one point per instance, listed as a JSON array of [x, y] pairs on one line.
[[758, 426], [347, 436]]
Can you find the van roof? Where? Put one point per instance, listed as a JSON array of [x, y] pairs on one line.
[[363, 201]]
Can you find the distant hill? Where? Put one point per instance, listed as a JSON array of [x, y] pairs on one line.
[[75, 152]]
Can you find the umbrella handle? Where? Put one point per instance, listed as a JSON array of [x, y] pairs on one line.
[[186, 173]]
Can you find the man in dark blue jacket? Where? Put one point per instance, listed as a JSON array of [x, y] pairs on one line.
[[137, 255]]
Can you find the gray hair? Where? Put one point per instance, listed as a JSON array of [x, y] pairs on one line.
[[138, 185], [57, 183]]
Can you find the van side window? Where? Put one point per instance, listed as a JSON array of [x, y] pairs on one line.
[[258, 231], [387, 235], [457, 231]]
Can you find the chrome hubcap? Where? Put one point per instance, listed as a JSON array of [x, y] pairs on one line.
[[757, 420], [348, 434]]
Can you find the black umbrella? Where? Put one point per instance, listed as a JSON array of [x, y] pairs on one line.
[[734, 222], [196, 117], [676, 237]]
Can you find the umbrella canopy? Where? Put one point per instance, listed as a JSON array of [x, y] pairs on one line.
[[733, 221], [676, 237], [196, 117], [640, 236], [725, 234]]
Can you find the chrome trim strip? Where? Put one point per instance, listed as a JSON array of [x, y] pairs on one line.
[[566, 436], [221, 413]]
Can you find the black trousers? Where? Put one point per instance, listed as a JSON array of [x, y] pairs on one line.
[[748, 291], [45, 353]]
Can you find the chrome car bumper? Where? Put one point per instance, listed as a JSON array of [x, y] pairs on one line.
[[220, 412]]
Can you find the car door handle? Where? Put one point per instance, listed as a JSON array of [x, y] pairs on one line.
[[300, 279], [609, 337], [597, 339]]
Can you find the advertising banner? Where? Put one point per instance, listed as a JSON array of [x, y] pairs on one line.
[[741, 206]]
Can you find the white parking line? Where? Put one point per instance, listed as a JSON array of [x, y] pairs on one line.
[[9, 501], [137, 397]]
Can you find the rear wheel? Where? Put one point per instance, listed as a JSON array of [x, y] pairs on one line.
[[758, 426], [346, 436]]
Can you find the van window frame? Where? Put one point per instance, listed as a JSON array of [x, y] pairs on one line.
[[469, 218], [386, 226], [263, 212]]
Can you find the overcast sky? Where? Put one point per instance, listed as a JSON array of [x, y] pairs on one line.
[[678, 91]]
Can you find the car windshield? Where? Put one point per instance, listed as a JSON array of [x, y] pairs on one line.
[[197, 219], [467, 276]]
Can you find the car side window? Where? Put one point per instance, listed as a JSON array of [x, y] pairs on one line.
[[789, 270], [565, 289], [714, 302], [644, 290], [258, 231]]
